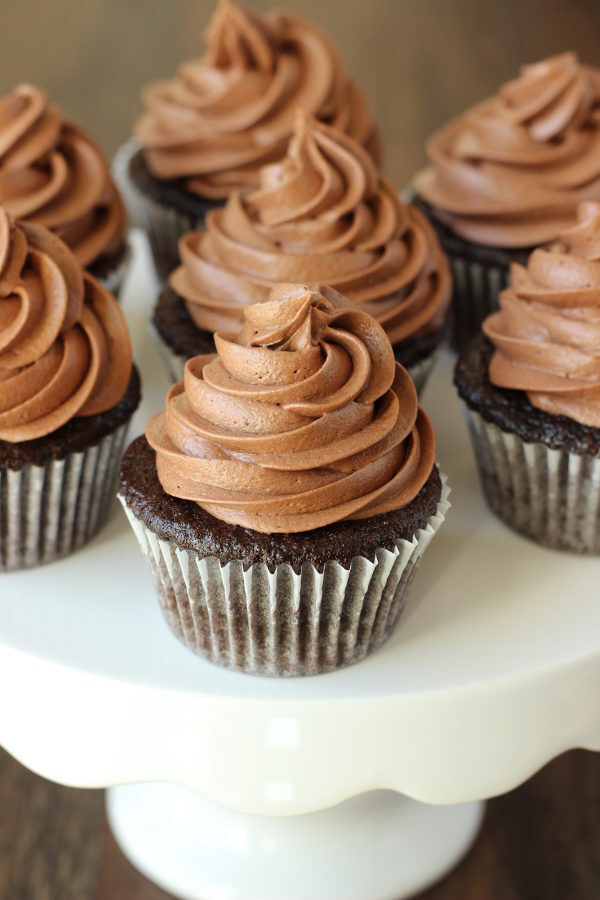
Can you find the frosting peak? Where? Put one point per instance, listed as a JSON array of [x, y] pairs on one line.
[[511, 171], [64, 345], [53, 174], [238, 38], [549, 97], [321, 214], [224, 116], [547, 333], [301, 420]]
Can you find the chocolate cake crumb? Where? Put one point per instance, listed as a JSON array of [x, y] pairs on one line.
[[511, 410], [168, 192], [76, 435], [188, 525]]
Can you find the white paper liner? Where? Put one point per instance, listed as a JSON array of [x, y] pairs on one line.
[[550, 496], [283, 623], [120, 173], [48, 511], [475, 294], [163, 224], [173, 362], [113, 282]]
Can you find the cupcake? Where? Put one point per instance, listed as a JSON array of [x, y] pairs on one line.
[[207, 131], [506, 177], [67, 393], [53, 174], [323, 214], [286, 493], [531, 388]]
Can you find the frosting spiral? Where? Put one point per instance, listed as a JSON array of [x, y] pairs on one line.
[[227, 114], [322, 214], [511, 171], [53, 174], [302, 420], [64, 346], [547, 333]]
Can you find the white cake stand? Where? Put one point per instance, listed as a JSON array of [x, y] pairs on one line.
[[243, 787]]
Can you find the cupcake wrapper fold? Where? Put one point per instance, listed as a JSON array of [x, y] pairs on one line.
[[174, 363], [48, 511], [477, 287], [163, 224], [421, 370], [120, 173], [282, 623], [113, 282], [550, 496]]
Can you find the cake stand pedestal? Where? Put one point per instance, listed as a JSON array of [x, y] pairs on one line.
[[362, 784]]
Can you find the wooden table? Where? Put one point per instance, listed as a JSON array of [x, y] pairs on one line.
[[419, 62], [540, 842]]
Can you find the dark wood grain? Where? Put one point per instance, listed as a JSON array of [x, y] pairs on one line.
[[540, 842], [49, 837]]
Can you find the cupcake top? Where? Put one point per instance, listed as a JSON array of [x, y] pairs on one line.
[[225, 115], [64, 346], [322, 214], [302, 420], [53, 174], [547, 333], [511, 171]]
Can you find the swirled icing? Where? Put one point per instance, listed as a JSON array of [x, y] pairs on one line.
[[64, 346], [511, 171], [224, 116], [53, 174], [547, 333], [321, 215], [302, 420]]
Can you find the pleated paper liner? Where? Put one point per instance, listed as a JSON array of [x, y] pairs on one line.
[[114, 280], [477, 287], [283, 623], [163, 224], [49, 511], [551, 496]]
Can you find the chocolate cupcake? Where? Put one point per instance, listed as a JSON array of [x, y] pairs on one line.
[[53, 174], [531, 389], [67, 393], [506, 177], [321, 215], [207, 131], [286, 493]]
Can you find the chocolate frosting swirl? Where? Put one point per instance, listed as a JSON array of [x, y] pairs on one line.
[[224, 116], [547, 332], [323, 214], [511, 171], [53, 174], [302, 420], [64, 345]]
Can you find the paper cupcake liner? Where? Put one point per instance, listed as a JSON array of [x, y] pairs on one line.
[[163, 224], [173, 362], [550, 496], [48, 511], [477, 287], [113, 282], [120, 173], [421, 370], [283, 623]]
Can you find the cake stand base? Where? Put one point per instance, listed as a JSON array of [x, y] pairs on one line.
[[379, 846]]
